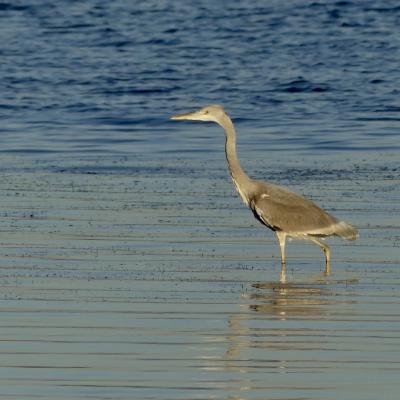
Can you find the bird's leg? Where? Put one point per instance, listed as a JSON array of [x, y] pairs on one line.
[[327, 251], [282, 239], [282, 277]]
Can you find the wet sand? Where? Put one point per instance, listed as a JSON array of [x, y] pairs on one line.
[[121, 287]]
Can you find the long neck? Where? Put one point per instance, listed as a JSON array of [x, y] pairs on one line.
[[239, 177]]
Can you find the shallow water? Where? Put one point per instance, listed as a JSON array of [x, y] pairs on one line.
[[115, 287], [129, 267]]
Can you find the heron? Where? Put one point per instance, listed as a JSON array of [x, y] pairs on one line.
[[286, 213]]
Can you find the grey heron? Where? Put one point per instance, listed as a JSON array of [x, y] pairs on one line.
[[286, 213]]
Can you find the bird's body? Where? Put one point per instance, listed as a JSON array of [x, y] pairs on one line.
[[285, 212], [282, 210]]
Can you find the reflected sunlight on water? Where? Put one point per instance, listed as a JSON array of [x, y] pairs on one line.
[[112, 288], [128, 268]]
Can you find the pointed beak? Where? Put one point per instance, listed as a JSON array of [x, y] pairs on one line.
[[186, 116]]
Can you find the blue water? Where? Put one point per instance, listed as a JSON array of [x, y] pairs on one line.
[[92, 84], [127, 267]]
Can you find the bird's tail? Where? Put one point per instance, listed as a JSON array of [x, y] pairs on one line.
[[346, 231]]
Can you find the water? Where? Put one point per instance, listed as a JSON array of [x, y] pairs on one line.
[[129, 268]]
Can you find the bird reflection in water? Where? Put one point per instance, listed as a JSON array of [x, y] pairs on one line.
[[274, 302], [271, 331], [289, 299]]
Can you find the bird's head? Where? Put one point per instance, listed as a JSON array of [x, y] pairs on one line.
[[213, 113]]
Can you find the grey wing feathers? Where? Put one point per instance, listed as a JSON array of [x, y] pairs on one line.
[[281, 209]]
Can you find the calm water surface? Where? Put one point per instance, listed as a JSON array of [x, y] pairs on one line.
[[128, 266]]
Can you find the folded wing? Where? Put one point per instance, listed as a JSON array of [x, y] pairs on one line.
[[280, 209]]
